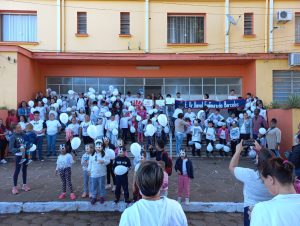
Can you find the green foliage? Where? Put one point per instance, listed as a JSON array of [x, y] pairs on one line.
[[275, 105], [293, 101], [3, 108]]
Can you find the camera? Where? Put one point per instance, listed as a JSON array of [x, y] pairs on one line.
[[248, 143]]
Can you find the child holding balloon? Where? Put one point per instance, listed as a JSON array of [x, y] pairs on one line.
[[210, 136], [89, 151]]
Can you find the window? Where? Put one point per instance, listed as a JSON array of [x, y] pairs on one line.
[[125, 23], [186, 29], [285, 84], [18, 27], [81, 23], [248, 24], [297, 30]]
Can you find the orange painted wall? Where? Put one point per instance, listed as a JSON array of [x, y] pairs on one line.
[[244, 71], [285, 124], [29, 79]]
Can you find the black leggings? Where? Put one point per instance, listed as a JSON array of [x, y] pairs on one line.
[[3, 144], [18, 169], [65, 176], [109, 169]]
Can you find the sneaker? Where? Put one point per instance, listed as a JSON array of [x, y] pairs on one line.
[[116, 201], [62, 196], [72, 196], [179, 200], [42, 160], [101, 200], [84, 195], [3, 161], [22, 161], [25, 187], [93, 201], [108, 186], [29, 161], [187, 201], [15, 190], [113, 188]]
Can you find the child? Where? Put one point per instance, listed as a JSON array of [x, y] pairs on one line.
[[133, 123], [135, 190], [122, 180], [81, 115], [164, 187], [121, 146], [97, 170], [100, 128], [110, 125], [83, 130], [63, 167], [29, 139], [210, 135], [23, 122], [185, 170], [124, 126], [89, 151], [109, 167], [234, 136], [140, 131], [196, 136], [53, 127], [262, 137], [223, 135]]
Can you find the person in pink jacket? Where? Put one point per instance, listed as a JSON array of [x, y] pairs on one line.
[[223, 134]]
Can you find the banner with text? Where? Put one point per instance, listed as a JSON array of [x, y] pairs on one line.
[[227, 104]]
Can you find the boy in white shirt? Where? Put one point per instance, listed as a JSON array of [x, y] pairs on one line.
[[83, 130], [196, 136], [210, 135], [39, 127], [53, 127]]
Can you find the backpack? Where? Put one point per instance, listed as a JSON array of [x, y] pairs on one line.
[[169, 165]]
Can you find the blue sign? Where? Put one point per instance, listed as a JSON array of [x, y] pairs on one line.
[[227, 104]]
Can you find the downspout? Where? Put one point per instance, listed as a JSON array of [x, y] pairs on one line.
[[58, 26], [271, 26], [226, 26], [146, 26], [63, 24], [266, 26]]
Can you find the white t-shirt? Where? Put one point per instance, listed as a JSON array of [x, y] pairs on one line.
[[84, 126], [42, 111], [80, 103], [23, 125], [124, 122], [38, 126], [74, 128], [64, 161], [52, 127], [191, 115], [176, 112], [163, 212], [282, 210], [184, 170], [254, 190]]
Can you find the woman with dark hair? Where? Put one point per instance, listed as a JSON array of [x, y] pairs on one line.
[[254, 190], [23, 110], [283, 210], [152, 209]]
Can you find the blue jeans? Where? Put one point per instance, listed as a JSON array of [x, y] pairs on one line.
[[87, 182], [51, 141], [179, 138], [39, 144], [246, 216], [98, 186]]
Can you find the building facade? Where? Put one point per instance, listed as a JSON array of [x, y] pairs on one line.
[[194, 47]]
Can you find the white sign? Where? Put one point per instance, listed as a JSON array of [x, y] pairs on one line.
[[170, 100], [160, 102], [148, 103]]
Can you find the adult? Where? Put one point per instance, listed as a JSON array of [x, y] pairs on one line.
[[294, 157], [254, 190], [257, 122], [80, 102], [39, 96], [245, 125], [128, 97], [152, 209], [180, 125], [159, 153], [16, 143], [232, 95], [178, 97], [283, 210], [273, 137], [23, 110], [3, 141], [206, 96], [39, 127], [189, 114], [263, 111]]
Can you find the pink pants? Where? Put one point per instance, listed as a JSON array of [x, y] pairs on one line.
[[140, 137], [183, 185]]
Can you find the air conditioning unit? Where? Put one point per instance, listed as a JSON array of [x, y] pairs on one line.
[[294, 59], [284, 15]]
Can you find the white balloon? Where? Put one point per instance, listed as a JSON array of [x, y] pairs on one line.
[[166, 129], [226, 149], [150, 130], [241, 115], [107, 114], [69, 109], [64, 118], [92, 96], [120, 170], [138, 118], [113, 99], [92, 90], [135, 149], [145, 121], [162, 119], [220, 124], [127, 103], [59, 101], [75, 143], [132, 129], [130, 108], [115, 92], [31, 103], [115, 132], [200, 114], [33, 148], [153, 119], [197, 145], [100, 97], [56, 105], [191, 142], [146, 134], [70, 92], [110, 154], [248, 105], [150, 112], [103, 92], [219, 146], [249, 113], [92, 131], [209, 148], [155, 110], [262, 131], [45, 101], [252, 154], [111, 88]]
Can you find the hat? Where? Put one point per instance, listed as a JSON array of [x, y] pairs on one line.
[[262, 131]]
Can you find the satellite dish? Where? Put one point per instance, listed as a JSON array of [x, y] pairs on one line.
[[231, 19]]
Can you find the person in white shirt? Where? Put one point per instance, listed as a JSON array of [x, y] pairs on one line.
[[74, 127], [23, 122], [80, 102], [111, 125], [152, 209], [53, 127], [124, 123], [100, 128], [39, 127], [189, 114], [178, 97], [210, 135], [254, 190], [283, 210], [42, 110], [232, 95], [83, 130], [196, 136]]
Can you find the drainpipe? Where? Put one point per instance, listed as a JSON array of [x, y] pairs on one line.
[[226, 26], [266, 26], [146, 26], [271, 26], [58, 26]]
